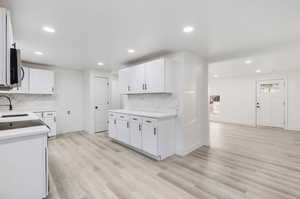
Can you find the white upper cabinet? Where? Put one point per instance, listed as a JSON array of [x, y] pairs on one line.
[[124, 80], [150, 77], [139, 78], [41, 81], [155, 76]]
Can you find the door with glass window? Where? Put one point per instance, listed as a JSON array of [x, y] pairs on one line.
[[270, 103]]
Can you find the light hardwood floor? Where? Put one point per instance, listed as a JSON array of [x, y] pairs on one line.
[[242, 162]]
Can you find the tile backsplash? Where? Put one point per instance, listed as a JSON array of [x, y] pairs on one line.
[[24, 102], [151, 102]]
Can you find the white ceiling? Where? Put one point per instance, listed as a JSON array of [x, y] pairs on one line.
[[280, 60], [96, 30]]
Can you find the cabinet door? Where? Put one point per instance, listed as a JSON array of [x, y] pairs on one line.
[[112, 128], [155, 76], [124, 81], [123, 131], [41, 81], [149, 137], [136, 132], [139, 78], [2, 46]]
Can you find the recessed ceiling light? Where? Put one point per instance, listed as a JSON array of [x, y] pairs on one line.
[[131, 51], [215, 76], [258, 71], [38, 53], [188, 29], [48, 29], [100, 64], [249, 61]]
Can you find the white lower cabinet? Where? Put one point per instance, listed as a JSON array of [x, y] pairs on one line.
[[112, 127], [135, 132], [123, 129], [49, 118], [150, 137], [155, 137]]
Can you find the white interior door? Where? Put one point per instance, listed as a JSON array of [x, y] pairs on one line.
[[101, 103], [270, 105]]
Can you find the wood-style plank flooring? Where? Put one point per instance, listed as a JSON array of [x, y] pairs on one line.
[[242, 162]]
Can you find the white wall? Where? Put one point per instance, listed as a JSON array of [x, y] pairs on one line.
[[238, 97], [294, 101], [68, 97]]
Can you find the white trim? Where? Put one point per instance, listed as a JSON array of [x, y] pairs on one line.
[[189, 150]]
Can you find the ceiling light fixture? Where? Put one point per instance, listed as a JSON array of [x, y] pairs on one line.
[[48, 29], [249, 61], [100, 64], [131, 51], [38, 53], [216, 76], [188, 29], [258, 71]]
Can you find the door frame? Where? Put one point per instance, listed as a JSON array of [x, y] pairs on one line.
[[285, 80], [94, 104]]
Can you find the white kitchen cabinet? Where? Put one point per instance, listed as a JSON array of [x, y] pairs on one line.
[[135, 129], [41, 81], [155, 76], [24, 167], [49, 118], [123, 129], [112, 127], [150, 136], [6, 43], [154, 137], [150, 77], [139, 78]]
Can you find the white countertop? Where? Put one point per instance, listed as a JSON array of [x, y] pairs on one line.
[[145, 113], [23, 132]]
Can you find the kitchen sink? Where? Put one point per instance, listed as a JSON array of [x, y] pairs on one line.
[[16, 115]]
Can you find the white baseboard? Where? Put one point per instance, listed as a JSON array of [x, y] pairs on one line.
[[189, 150]]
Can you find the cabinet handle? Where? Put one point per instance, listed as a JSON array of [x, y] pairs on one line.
[[148, 121], [115, 121], [127, 124], [128, 88], [143, 86], [146, 87], [54, 119], [154, 131], [134, 118], [140, 127]]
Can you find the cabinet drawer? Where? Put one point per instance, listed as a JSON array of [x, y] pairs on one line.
[[112, 115], [122, 117], [149, 121], [135, 119]]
